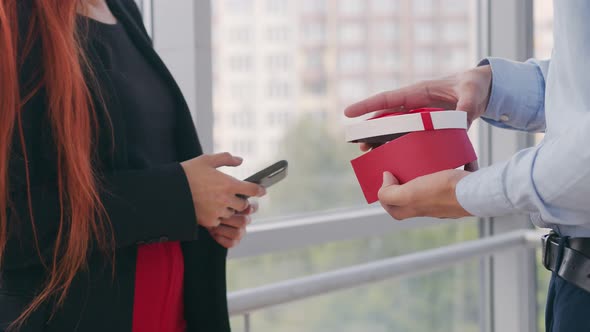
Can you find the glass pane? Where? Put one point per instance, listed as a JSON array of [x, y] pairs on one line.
[[256, 271], [285, 69], [442, 301]]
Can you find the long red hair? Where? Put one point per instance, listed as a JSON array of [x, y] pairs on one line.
[[63, 75]]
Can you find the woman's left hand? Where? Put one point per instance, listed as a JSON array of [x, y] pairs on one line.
[[231, 230]]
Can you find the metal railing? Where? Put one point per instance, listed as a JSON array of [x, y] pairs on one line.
[[244, 302]]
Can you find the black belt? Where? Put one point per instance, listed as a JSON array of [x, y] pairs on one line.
[[575, 263]]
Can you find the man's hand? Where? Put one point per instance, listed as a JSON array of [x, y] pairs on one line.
[[468, 91], [231, 230], [431, 195]]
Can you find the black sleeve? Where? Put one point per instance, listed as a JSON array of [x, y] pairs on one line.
[[142, 206]]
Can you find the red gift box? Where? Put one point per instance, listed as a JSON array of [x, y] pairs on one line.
[[424, 141]]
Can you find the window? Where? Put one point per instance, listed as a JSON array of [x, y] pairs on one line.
[[352, 33], [240, 34], [313, 6], [277, 6], [424, 32], [243, 119], [351, 7], [315, 86], [386, 31], [314, 60], [238, 6], [331, 54], [423, 7], [455, 7], [424, 61], [454, 32], [543, 28], [240, 63], [384, 6], [278, 62], [243, 147], [386, 60], [352, 90], [277, 34], [353, 60], [314, 32], [279, 118], [278, 89], [241, 90]]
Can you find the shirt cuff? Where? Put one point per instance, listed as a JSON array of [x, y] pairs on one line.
[[482, 193], [517, 95]]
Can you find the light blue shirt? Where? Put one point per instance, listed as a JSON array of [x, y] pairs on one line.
[[551, 181]]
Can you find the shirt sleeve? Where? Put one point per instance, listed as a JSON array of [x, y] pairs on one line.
[[517, 97], [545, 180]]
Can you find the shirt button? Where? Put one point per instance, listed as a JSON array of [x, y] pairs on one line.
[[504, 118]]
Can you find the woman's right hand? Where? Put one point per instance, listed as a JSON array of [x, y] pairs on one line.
[[214, 192]]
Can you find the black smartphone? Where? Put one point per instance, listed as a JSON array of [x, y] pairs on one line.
[[270, 175]]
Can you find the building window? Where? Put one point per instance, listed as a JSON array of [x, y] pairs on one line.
[[314, 60], [316, 86], [385, 83], [386, 60], [424, 61], [243, 119], [314, 32], [279, 118], [352, 90], [352, 33], [384, 6], [243, 147], [456, 6], [353, 61], [240, 34], [239, 6], [352, 7], [424, 32], [241, 90], [313, 6], [278, 62], [423, 7], [240, 63], [277, 6], [277, 34], [455, 32], [278, 89], [456, 59], [386, 31]]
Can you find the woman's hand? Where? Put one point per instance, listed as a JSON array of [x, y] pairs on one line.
[[231, 230], [215, 193], [468, 91]]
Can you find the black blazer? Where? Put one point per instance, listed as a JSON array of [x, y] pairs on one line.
[[144, 205]]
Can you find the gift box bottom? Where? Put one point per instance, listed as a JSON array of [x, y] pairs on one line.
[[412, 155]]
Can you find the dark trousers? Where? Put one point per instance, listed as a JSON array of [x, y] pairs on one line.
[[568, 306]]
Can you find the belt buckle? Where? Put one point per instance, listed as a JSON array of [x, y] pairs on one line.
[[546, 239]]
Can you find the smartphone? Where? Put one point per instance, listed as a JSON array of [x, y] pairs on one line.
[[270, 175]]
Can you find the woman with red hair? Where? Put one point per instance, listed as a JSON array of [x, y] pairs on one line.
[[111, 219]]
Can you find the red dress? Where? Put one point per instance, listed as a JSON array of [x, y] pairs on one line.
[[159, 277]]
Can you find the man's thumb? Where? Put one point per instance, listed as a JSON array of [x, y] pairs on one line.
[[389, 179]]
